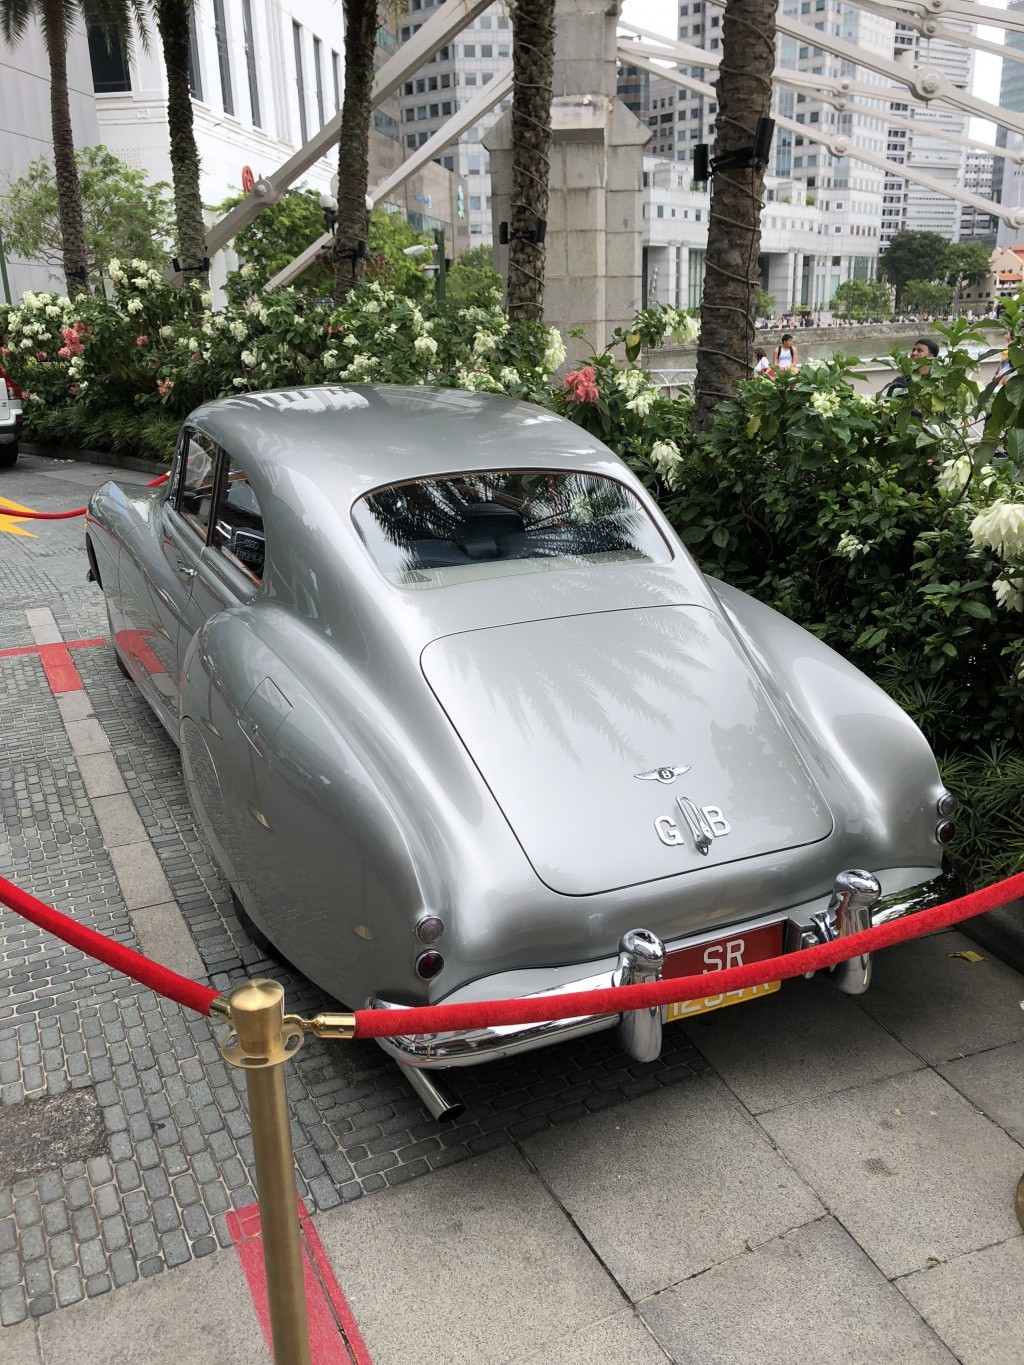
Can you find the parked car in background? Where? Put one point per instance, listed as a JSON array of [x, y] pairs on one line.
[[462, 719], [10, 419]]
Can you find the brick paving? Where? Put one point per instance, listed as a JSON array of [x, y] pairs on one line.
[[124, 1139]]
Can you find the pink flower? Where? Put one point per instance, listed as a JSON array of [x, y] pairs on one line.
[[164, 386], [64, 353], [142, 341], [580, 383], [40, 355]]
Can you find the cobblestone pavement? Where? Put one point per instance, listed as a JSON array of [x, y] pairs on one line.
[[124, 1141]]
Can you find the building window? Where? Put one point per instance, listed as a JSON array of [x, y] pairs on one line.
[[108, 58], [223, 57], [195, 80], [318, 76], [250, 63], [300, 81]]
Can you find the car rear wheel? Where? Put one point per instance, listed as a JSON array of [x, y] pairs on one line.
[[257, 935], [8, 455]]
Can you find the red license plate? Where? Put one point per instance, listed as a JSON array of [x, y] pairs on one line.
[[736, 950]]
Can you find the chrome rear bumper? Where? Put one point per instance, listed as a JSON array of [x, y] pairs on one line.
[[641, 956]]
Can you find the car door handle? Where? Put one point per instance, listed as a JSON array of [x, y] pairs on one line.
[[184, 570]]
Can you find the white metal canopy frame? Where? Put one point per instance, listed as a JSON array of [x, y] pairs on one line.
[[922, 87], [925, 87]]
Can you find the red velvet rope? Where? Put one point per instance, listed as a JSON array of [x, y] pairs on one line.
[[487, 1013], [615, 999], [63, 516], [133, 964]]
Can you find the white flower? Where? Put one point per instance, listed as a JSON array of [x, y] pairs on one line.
[[205, 298], [140, 282], [1009, 593], [371, 306], [664, 457], [850, 546], [135, 305], [824, 402], [263, 315], [351, 340], [329, 360], [207, 328], [247, 271], [1001, 528], [416, 321], [240, 383], [509, 377], [642, 403], [52, 311], [25, 343], [554, 352], [424, 345], [952, 477], [166, 332], [248, 359], [239, 331], [484, 344], [683, 328], [221, 322], [192, 345]]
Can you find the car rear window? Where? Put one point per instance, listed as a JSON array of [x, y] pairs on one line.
[[436, 532]]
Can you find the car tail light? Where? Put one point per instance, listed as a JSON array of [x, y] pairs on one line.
[[428, 965], [13, 390], [945, 831], [947, 805], [429, 929]]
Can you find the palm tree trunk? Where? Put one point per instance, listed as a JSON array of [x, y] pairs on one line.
[[351, 224], [533, 60], [172, 20], [69, 195], [744, 93]]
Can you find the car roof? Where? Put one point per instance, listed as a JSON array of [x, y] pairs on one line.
[[350, 439]]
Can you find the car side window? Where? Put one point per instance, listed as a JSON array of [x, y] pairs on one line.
[[238, 527], [195, 489]]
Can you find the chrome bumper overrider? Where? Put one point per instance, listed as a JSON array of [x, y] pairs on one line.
[[856, 903]]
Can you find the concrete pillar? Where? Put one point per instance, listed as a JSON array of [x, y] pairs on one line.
[[595, 228]]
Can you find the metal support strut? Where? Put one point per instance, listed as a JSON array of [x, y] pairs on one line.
[[641, 958]]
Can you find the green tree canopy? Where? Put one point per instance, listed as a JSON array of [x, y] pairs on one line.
[[924, 297], [125, 215], [966, 263], [274, 238], [473, 278], [913, 256], [862, 299]]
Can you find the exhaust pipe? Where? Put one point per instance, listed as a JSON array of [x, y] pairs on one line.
[[641, 958], [436, 1094]]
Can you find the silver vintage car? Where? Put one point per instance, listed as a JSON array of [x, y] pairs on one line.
[[462, 719]]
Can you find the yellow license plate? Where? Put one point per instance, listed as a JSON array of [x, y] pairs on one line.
[[687, 1009]]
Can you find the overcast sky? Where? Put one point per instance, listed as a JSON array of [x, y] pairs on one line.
[[661, 16]]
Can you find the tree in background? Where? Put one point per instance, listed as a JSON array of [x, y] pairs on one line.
[[54, 18], [912, 256], [473, 280], [862, 299], [744, 94], [764, 303], [274, 238], [966, 263], [389, 237], [123, 214], [922, 296], [533, 64], [172, 21]]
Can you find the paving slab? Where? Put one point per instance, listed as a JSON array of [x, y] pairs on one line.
[[74, 706], [810, 1297], [200, 1311], [622, 1340], [118, 820], [100, 774], [807, 1039], [477, 1265], [140, 876], [675, 1184], [87, 737], [164, 936], [910, 1168], [942, 1007], [994, 1081], [973, 1303], [18, 1345]]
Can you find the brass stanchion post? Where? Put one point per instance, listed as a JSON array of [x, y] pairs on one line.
[[261, 1042]]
